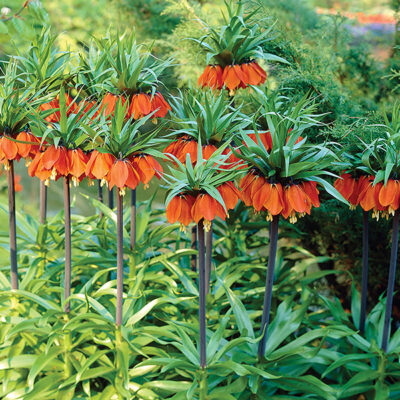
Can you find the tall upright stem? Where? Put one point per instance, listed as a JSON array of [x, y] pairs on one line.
[[202, 295], [273, 243], [392, 276], [120, 256], [67, 218], [133, 219], [209, 243], [12, 225], [364, 278], [111, 199], [100, 195], [193, 260], [43, 202]]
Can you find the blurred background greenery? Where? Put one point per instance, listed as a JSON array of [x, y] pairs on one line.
[[344, 52]]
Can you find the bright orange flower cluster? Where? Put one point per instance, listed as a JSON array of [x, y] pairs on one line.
[[56, 162], [11, 150], [141, 104], [380, 198], [187, 145], [232, 76], [290, 201], [187, 208], [130, 172]]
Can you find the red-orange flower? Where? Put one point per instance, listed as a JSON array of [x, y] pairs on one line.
[[180, 209], [109, 102], [143, 104], [211, 77], [8, 151], [240, 76], [123, 175], [50, 164], [234, 78], [348, 187], [254, 73], [291, 201], [380, 198], [99, 165], [147, 167], [187, 208], [27, 150], [159, 105], [207, 208], [77, 161], [229, 194]]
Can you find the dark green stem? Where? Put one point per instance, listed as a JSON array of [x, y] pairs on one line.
[[193, 260], [67, 224], [111, 199], [133, 219], [392, 276], [100, 196], [120, 256], [43, 202], [364, 279], [12, 226], [209, 241], [202, 295], [273, 243]]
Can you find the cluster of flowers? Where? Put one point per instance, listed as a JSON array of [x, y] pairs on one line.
[[26, 146], [55, 162], [380, 198], [185, 144], [48, 162], [291, 200], [140, 105], [187, 208], [232, 77]]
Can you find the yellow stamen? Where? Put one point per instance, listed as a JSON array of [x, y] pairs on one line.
[[269, 217], [207, 225], [154, 121], [182, 228], [28, 162], [102, 182], [75, 180], [47, 182], [375, 214], [90, 182], [53, 175], [122, 191], [6, 165], [352, 207]]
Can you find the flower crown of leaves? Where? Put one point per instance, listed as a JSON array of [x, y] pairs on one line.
[[44, 65], [204, 176], [133, 68], [381, 157], [238, 40], [291, 158], [123, 136], [205, 115]]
